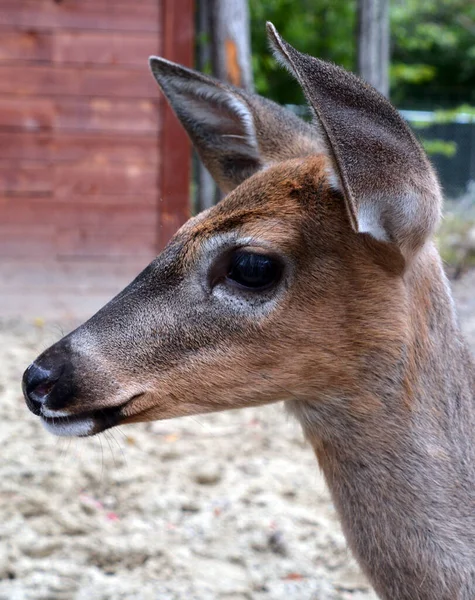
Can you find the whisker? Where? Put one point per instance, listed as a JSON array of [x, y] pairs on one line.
[[121, 450], [119, 430], [205, 426], [66, 447], [101, 479], [60, 447], [110, 447]]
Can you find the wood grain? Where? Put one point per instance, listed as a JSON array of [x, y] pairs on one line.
[[123, 49], [141, 15], [81, 148], [48, 178], [48, 228], [33, 113], [28, 79]]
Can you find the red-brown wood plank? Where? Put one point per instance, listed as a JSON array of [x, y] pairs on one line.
[[32, 113], [25, 45], [26, 241], [177, 45], [28, 178], [24, 79], [16, 201], [29, 241], [28, 146], [130, 241], [126, 180], [112, 48], [80, 119], [83, 149], [139, 15], [18, 211], [76, 230]]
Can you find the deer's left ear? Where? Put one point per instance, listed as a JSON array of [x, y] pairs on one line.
[[390, 189]]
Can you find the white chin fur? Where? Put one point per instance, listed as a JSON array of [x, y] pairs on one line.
[[75, 428]]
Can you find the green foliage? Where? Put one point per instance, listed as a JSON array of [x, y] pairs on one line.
[[432, 47], [445, 148], [401, 72], [442, 147], [450, 115], [463, 114], [438, 35], [324, 29]]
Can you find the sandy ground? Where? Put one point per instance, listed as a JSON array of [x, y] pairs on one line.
[[228, 506]]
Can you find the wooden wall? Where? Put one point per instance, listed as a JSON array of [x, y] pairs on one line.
[[87, 145]]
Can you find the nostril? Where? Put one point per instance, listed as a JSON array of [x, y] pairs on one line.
[[37, 383], [43, 389]]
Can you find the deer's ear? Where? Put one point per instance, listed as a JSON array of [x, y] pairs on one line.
[[219, 124], [390, 189], [234, 133]]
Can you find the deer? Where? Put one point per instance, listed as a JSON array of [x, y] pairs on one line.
[[315, 281]]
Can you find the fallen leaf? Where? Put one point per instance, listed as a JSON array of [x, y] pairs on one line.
[[293, 577]]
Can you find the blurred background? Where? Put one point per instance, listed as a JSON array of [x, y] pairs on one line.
[[95, 176], [95, 171]]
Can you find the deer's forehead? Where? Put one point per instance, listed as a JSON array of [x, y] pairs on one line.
[[269, 206]]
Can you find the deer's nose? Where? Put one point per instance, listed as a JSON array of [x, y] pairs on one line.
[[38, 382]]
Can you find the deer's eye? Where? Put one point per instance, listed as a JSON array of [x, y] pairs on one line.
[[253, 271]]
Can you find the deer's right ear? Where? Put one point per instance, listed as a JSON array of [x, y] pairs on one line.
[[390, 189], [234, 133]]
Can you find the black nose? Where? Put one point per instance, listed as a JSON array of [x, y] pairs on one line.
[[38, 382], [48, 383]]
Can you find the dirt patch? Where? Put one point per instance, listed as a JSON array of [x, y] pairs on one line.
[[227, 506]]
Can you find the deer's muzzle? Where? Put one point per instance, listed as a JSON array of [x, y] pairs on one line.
[[50, 392]]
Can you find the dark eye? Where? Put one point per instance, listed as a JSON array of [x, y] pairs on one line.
[[253, 271]]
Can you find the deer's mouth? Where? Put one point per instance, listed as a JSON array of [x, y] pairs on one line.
[[84, 424]]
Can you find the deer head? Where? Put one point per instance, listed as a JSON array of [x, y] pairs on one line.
[[293, 286]]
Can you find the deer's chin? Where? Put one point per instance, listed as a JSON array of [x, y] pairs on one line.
[[91, 422], [73, 426], [83, 424]]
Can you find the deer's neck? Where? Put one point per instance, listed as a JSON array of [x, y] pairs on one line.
[[402, 474]]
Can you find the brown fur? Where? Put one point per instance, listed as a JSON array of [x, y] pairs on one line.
[[359, 336]]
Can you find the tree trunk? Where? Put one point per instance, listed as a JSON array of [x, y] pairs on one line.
[[373, 43], [224, 43], [205, 186], [230, 42]]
